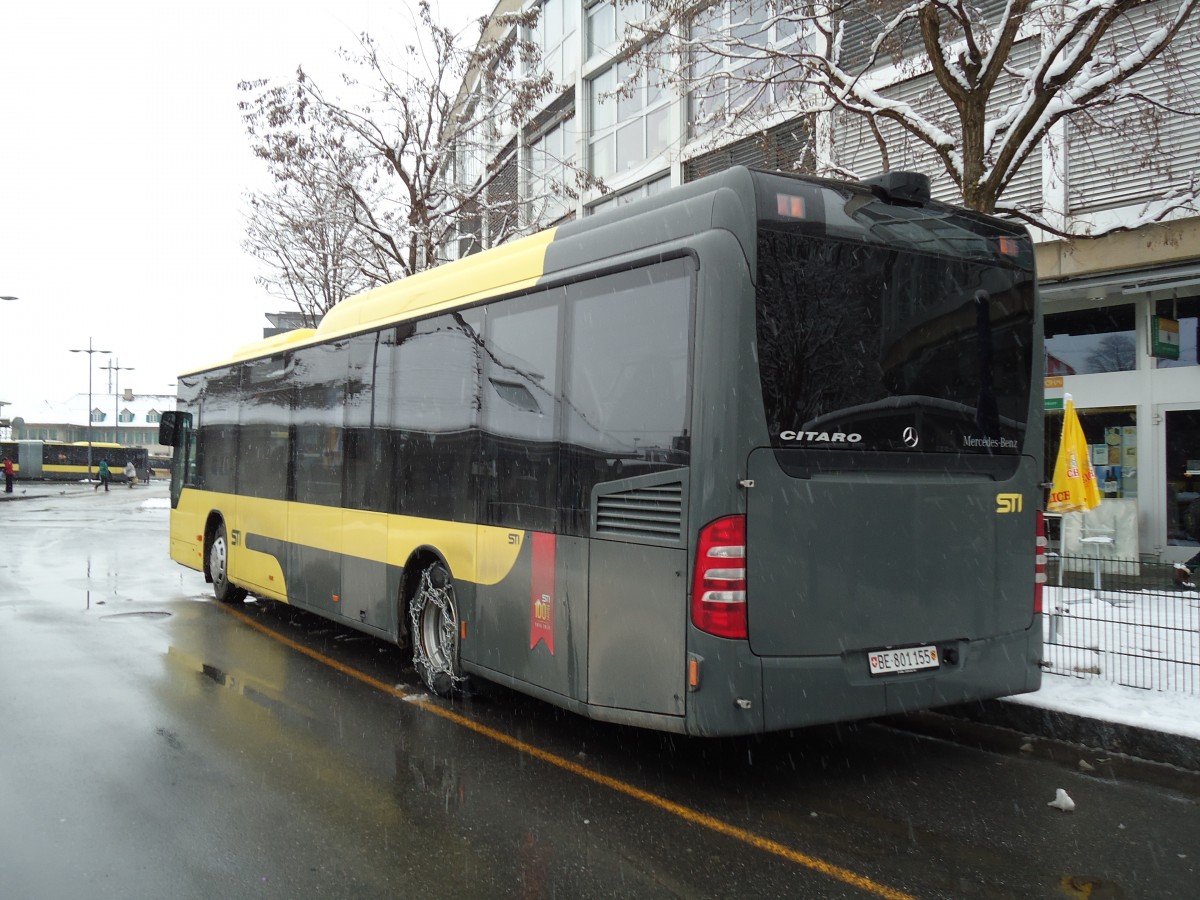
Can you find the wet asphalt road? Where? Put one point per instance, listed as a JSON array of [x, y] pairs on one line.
[[157, 744]]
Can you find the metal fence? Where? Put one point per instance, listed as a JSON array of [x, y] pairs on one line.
[[1127, 621]]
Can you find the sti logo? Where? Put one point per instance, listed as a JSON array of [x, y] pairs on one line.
[[1009, 503]]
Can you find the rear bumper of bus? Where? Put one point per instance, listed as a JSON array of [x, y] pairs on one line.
[[811, 690]]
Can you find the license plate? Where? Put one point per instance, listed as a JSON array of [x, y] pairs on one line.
[[903, 659]]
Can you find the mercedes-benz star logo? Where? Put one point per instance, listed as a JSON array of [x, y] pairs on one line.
[[910, 437]]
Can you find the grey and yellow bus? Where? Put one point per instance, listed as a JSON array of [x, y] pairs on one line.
[[760, 452], [61, 461]]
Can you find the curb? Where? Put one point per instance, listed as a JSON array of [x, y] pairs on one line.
[[1133, 741]]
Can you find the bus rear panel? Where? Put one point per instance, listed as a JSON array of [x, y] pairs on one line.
[[890, 486]]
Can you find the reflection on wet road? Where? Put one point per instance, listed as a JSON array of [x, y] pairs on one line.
[[159, 744]]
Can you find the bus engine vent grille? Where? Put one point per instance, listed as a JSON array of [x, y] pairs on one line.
[[647, 512]]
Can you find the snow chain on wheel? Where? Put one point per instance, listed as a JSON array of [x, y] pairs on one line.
[[433, 616]]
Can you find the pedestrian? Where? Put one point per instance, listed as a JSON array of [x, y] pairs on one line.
[[105, 475], [130, 473], [149, 472], [8, 475]]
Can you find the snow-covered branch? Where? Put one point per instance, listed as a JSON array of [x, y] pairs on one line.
[[976, 94]]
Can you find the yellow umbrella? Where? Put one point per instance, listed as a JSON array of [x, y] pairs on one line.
[[1075, 488]]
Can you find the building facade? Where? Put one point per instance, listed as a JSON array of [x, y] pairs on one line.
[[1122, 311], [126, 418]]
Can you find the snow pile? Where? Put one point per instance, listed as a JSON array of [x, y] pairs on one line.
[[1062, 800], [1172, 712]]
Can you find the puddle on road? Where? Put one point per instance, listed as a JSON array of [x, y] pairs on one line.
[[146, 614], [258, 691], [1091, 887]]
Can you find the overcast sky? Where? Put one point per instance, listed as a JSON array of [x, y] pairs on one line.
[[123, 164]]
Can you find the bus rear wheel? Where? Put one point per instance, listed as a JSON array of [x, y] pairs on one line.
[[433, 616], [218, 569]]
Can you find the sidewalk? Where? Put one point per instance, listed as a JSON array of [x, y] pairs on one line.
[[30, 490]]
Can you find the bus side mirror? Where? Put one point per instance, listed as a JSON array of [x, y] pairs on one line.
[[172, 426]]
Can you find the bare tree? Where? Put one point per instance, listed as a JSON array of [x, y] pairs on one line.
[[1114, 353], [410, 121], [1002, 75], [303, 229]]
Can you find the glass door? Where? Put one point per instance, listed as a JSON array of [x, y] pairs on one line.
[[1182, 449]]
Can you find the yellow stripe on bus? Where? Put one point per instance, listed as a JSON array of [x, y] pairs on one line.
[[480, 554]]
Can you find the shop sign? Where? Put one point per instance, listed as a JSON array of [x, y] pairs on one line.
[[1164, 337], [1053, 392]]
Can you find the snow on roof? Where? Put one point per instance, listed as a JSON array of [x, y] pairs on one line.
[[74, 410]]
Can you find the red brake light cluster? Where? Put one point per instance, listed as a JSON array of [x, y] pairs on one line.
[[719, 584]]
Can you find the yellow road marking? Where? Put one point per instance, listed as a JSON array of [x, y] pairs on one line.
[[669, 806]]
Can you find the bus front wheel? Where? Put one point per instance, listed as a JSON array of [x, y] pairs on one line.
[[218, 569], [433, 615]]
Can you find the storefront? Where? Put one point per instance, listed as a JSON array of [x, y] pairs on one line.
[[1124, 345]]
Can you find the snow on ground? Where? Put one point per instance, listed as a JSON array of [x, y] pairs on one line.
[[1098, 642]]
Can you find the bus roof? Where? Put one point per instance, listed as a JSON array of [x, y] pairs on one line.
[[724, 200]]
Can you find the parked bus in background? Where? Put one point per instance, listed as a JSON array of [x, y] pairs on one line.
[[760, 452], [57, 461]]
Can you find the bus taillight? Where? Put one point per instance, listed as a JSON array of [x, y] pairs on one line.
[[1039, 566], [719, 585]]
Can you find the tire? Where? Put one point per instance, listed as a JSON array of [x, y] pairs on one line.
[[433, 618], [218, 569]]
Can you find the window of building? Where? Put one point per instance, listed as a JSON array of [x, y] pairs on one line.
[[125, 416], [1112, 438], [551, 178], [555, 35], [1187, 313], [98, 415], [154, 417], [469, 157], [629, 106], [1090, 341], [641, 191], [744, 76], [607, 23]]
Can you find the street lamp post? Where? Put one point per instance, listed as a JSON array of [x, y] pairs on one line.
[[4, 403], [89, 351], [115, 369]]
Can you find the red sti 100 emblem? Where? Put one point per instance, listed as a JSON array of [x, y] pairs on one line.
[[541, 599]]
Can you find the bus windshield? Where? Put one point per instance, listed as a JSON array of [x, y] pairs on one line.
[[894, 329]]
